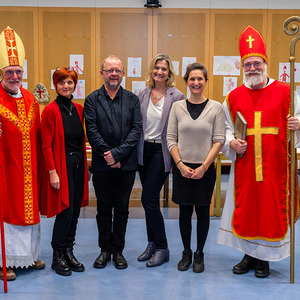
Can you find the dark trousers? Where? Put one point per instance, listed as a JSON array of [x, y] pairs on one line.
[[65, 224], [185, 224], [153, 176], [112, 188]]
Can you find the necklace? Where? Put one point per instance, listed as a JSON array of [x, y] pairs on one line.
[[158, 95], [69, 111]]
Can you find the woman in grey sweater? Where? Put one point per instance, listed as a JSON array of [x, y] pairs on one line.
[[196, 133]]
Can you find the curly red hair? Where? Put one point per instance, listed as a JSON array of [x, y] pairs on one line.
[[62, 73]]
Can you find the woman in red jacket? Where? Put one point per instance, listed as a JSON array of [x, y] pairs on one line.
[[65, 179]]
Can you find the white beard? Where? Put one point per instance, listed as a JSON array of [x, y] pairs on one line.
[[257, 79]]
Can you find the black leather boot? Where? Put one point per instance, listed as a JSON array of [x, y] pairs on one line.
[[159, 257], [198, 265], [186, 260], [245, 265], [72, 261], [149, 251], [59, 263]]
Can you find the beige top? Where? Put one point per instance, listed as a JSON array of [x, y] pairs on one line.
[[195, 138]]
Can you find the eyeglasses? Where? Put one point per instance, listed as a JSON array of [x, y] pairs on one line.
[[70, 69], [110, 71], [256, 65], [11, 72]]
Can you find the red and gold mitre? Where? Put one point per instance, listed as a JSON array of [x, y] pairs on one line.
[[252, 43], [12, 52]]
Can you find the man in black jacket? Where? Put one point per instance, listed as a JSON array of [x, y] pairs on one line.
[[113, 124]]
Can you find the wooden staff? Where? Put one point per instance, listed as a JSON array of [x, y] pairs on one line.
[[3, 250], [3, 238], [292, 31]]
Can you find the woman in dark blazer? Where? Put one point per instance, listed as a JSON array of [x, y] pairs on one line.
[[153, 155]]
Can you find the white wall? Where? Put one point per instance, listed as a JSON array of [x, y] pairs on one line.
[[231, 4]]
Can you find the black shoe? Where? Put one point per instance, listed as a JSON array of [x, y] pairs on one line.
[[120, 261], [147, 254], [186, 260], [262, 269], [159, 257], [102, 259], [59, 263], [198, 265], [72, 261], [245, 265]]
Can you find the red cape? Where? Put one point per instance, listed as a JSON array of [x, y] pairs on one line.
[[20, 154], [261, 191], [54, 201]]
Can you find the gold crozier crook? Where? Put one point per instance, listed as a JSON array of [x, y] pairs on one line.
[[292, 30]]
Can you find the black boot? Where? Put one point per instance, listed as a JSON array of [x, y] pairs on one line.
[[59, 263], [262, 269], [186, 260], [245, 265], [147, 254], [198, 265], [72, 261]]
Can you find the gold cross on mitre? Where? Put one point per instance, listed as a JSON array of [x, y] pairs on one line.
[[258, 131], [250, 40]]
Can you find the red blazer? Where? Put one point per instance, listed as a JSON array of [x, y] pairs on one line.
[[54, 201]]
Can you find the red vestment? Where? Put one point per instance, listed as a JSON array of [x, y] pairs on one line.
[[20, 155], [54, 201], [261, 191]]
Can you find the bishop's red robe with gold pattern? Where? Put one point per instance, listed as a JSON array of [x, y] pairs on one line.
[[261, 191], [20, 158]]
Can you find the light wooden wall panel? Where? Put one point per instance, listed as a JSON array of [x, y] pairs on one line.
[[24, 22], [182, 33], [64, 33], [226, 27], [125, 33], [279, 41]]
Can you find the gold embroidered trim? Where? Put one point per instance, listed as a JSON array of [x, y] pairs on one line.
[[255, 243], [24, 123]]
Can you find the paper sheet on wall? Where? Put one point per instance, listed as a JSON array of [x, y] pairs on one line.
[[188, 93], [298, 90], [185, 62], [52, 85], [79, 92], [123, 83], [76, 61], [25, 69], [134, 67], [284, 72], [229, 84], [176, 67], [227, 65], [138, 86], [25, 85]]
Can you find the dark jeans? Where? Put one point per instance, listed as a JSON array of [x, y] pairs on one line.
[[112, 188], [153, 176], [185, 224], [65, 224]]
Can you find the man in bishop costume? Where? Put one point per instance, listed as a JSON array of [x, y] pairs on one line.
[[256, 214]]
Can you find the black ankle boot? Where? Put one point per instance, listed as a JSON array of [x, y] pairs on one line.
[[198, 265], [59, 263], [72, 261], [147, 254], [186, 260]]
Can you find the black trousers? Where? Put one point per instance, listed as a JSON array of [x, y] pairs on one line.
[[64, 229], [153, 176], [112, 188]]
